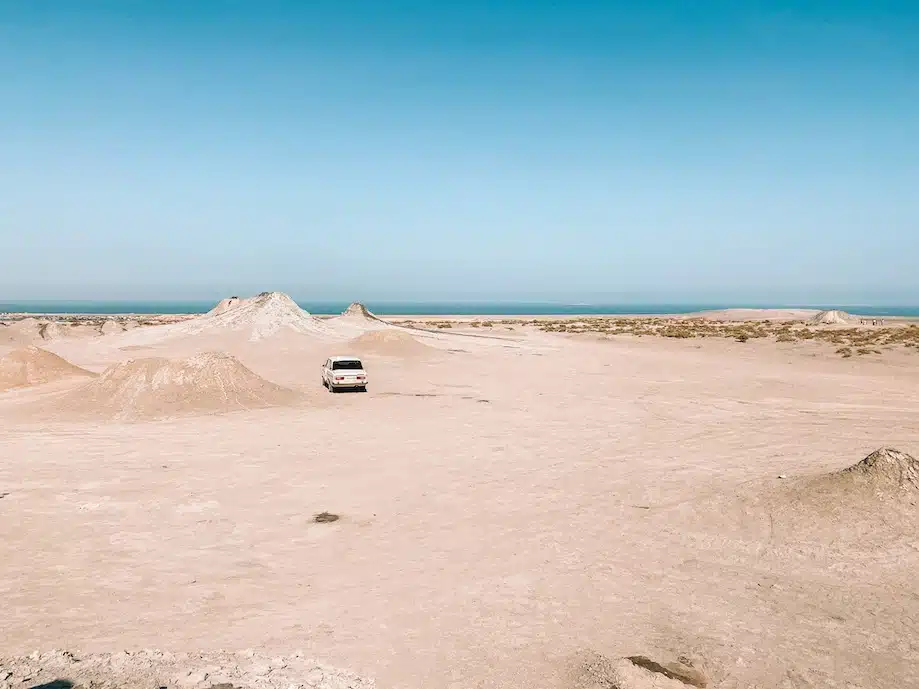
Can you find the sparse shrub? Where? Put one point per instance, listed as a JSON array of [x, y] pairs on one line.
[[844, 352]]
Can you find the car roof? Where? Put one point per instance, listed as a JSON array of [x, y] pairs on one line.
[[344, 358]]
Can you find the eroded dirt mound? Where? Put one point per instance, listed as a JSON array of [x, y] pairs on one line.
[[50, 330], [35, 366], [150, 668], [153, 388], [834, 317], [389, 343], [111, 327]]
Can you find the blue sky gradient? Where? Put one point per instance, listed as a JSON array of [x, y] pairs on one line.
[[656, 151]]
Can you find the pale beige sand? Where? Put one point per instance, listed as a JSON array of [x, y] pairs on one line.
[[520, 511]]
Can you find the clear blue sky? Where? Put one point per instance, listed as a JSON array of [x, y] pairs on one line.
[[658, 150]]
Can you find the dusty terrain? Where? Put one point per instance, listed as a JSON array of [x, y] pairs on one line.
[[559, 503]]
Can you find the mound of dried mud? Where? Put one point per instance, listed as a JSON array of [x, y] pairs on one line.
[[151, 388], [358, 310], [872, 506], [150, 668], [254, 319], [886, 475], [834, 317], [390, 342], [35, 366]]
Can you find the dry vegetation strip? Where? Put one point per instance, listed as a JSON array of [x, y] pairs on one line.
[[852, 341]]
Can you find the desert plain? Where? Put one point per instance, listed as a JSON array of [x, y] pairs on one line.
[[724, 500]]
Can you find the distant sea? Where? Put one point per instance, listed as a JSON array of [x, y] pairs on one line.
[[410, 308]]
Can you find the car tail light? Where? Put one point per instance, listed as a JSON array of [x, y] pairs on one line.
[[338, 378]]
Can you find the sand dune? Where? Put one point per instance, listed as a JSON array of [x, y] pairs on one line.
[[34, 366], [154, 388]]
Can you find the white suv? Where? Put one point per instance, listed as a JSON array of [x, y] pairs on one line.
[[340, 372]]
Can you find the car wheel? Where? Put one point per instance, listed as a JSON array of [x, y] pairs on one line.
[[363, 388]]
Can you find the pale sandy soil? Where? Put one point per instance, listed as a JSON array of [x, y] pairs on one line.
[[517, 509]]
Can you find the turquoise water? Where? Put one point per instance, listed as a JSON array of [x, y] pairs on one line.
[[428, 308]]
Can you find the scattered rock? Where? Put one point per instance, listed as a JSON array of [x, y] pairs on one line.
[[326, 518], [678, 670]]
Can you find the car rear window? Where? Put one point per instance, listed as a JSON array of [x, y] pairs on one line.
[[351, 365]]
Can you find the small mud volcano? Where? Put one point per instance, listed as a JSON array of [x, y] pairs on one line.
[[358, 310], [394, 343], [35, 366], [871, 506], [151, 388], [833, 317], [885, 476]]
